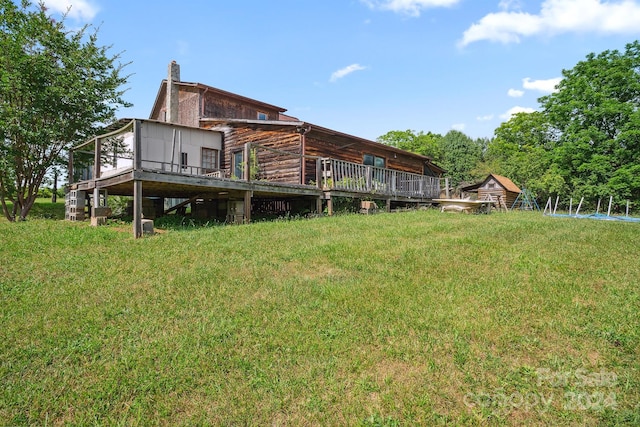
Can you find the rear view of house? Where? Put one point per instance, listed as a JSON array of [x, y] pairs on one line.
[[228, 156]]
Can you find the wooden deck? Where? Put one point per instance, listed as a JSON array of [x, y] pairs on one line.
[[142, 173]]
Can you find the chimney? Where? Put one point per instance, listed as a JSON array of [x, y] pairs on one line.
[[172, 92]]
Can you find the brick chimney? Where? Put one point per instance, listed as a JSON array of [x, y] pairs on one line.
[[172, 92]]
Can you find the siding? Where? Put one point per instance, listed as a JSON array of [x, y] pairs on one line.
[[322, 145], [275, 167], [220, 106]]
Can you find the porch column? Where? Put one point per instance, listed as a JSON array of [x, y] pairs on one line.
[[96, 173], [70, 167], [247, 163]]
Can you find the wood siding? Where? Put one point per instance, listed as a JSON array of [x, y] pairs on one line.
[[350, 150], [188, 107], [272, 166], [497, 191], [196, 103], [220, 106], [284, 168]]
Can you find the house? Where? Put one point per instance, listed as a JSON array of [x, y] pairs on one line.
[[228, 156], [244, 120], [495, 187]]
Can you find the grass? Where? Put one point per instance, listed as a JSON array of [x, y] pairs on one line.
[[416, 318]]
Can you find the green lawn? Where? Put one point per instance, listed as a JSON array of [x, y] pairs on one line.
[[416, 318]]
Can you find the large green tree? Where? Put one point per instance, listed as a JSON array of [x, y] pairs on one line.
[[461, 157], [57, 86], [596, 111], [522, 149], [427, 144]]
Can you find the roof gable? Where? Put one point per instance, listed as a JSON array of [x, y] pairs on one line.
[[160, 97], [505, 182]]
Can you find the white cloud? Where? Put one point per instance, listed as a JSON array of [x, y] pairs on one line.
[[458, 126], [82, 10], [510, 4], [485, 118], [515, 93], [547, 86], [346, 71], [408, 7], [555, 17], [515, 110]]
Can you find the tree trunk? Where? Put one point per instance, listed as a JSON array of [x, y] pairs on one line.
[[54, 196]]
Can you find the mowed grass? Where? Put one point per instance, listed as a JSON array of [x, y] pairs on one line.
[[415, 318]]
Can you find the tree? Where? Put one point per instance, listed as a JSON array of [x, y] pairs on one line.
[[596, 111], [427, 144], [57, 87], [461, 156], [523, 151]]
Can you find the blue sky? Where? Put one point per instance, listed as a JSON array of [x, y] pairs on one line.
[[362, 67]]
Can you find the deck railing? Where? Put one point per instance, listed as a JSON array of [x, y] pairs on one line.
[[282, 167], [353, 177]]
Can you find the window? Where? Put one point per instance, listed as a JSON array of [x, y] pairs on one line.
[[209, 160], [428, 171], [238, 165], [371, 160], [262, 116], [183, 160]]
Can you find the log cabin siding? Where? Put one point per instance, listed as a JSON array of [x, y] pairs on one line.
[[486, 191], [320, 143], [216, 105], [275, 167], [354, 151]]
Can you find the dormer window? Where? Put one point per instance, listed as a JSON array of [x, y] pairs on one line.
[[262, 116]]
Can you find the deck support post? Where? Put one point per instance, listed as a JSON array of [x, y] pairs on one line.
[[388, 205], [137, 184], [329, 206], [137, 209], [247, 206], [319, 206]]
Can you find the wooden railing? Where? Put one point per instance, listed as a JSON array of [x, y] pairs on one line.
[[354, 177], [331, 174]]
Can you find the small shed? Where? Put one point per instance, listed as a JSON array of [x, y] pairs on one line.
[[495, 187]]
